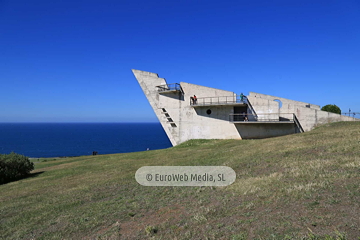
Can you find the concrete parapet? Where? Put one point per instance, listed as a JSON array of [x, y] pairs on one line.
[[285, 102]]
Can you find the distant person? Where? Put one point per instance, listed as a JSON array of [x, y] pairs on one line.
[[195, 99], [244, 117], [242, 97]]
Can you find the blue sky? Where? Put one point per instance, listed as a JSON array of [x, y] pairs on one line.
[[71, 61]]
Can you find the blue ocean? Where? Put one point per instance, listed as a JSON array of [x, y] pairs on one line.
[[76, 139]]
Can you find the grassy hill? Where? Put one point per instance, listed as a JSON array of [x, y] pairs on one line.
[[303, 186]]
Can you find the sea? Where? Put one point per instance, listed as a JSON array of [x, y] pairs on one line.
[[44, 140]]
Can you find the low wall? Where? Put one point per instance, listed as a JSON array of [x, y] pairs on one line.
[[264, 130]]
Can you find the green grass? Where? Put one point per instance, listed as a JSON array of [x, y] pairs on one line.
[[303, 186]]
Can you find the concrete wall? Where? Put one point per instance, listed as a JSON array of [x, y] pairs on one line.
[[148, 82], [265, 109], [183, 122], [285, 102], [309, 115], [265, 130], [310, 118]]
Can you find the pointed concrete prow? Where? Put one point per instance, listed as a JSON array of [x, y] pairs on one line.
[[149, 83]]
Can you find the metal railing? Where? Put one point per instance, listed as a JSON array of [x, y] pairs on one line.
[[352, 113], [264, 117], [169, 87], [299, 127], [251, 109], [223, 100]]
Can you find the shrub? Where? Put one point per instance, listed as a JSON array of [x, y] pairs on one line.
[[14, 166], [150, 230], [331, 108]]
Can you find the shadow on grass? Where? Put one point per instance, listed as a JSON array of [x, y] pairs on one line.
[[31, 175]]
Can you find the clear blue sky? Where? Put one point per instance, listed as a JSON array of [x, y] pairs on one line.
[[71, 61]]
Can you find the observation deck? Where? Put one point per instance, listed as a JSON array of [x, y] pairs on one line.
[[170, 88], [235, 100]]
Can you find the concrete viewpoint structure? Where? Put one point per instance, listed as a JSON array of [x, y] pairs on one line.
[[188, 111]]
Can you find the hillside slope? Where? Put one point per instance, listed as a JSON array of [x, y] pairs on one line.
[[299, 186]]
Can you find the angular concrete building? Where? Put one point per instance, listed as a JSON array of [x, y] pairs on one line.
[[188, 111]]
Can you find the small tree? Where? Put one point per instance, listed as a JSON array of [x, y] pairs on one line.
[[14, 166], [331, 108]]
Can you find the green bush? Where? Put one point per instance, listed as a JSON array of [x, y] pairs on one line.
[[14, 166], [331, 108]]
